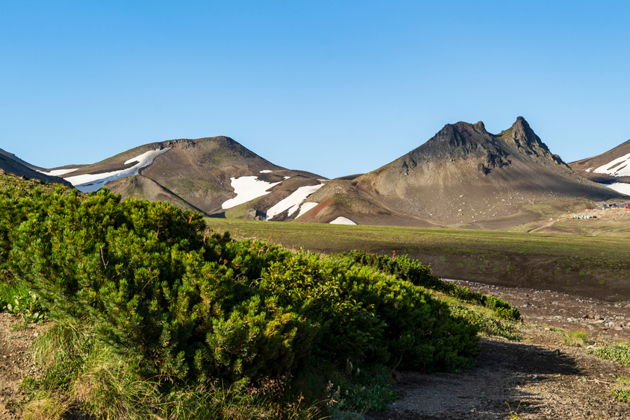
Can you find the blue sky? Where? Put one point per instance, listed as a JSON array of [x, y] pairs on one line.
[[334, 87]]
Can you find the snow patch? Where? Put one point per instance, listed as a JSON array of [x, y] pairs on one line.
[[616, 167], [266, 171], [58, 172], [620, 187], [94, 182], [293, 201], [342, 221], [247, 188], [306, 207]]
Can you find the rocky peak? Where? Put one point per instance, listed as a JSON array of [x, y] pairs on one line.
[[526, 141]]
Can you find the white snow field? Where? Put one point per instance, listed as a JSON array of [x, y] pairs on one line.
[[342, 221], [293, 201], [94, 182], [247, 188], [621, 187], [306, 207], [58, 172], [266, 171], [617, 167]]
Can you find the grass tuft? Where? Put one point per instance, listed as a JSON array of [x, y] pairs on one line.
[[576, 338]]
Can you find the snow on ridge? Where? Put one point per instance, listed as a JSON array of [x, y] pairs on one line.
[[342, 221], [58, 172], [306, 207], [616, 167], [266, 171], [620, 187], [247, 188], [293, 201], [94, 182]]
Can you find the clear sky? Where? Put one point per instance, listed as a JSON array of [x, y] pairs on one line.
[[334, 87]]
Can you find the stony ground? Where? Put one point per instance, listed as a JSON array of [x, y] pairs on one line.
[[538, 377]]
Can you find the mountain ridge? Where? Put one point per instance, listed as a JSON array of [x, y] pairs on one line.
[[463, 176]]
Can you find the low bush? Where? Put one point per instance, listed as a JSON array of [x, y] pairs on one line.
[[149, 308], [414, 271]]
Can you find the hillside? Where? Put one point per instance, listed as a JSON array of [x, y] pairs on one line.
[[11, 164], [463, 176], [611, 168], [211, 175]]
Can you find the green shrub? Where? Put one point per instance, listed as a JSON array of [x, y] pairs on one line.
[[190, 310], [414, 271]]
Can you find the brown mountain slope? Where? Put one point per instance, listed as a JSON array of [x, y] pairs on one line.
[[194, 173], [463, 176], [609, 167], [10, 163]]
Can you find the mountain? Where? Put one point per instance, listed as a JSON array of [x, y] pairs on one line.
[[215, 175], [463, 176], [12, 164], [611, 168]]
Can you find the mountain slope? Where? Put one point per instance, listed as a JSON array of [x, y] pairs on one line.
[[12, 164], [212, 175], [463, 176], [611, 168]]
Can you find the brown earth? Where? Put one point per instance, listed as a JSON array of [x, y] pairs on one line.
[[539, 377], [16, 361]]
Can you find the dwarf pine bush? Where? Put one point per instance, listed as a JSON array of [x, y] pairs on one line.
[[187, 309], [414, 271]]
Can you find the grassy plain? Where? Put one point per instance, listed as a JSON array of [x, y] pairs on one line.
[[592, 266]]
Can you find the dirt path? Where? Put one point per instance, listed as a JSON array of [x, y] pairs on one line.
[[15, 360], [526, 380], [537, 378]]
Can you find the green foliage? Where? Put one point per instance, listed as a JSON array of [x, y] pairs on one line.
[[622, 390], [147, 307], [17, 299], [414, 271], [487, 325], [576, 338], [360, 391], [619, 352]]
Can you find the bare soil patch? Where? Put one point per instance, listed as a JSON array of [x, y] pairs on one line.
[[537, 378], [16, 360]]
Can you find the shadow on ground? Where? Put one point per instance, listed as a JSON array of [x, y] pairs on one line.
[[491, 390]]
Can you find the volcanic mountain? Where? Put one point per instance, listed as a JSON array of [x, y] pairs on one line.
[[14, 165], [215, 175], [463, 176], [611, 168]]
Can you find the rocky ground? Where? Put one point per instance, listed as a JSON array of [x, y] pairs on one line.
[[538, 377]]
